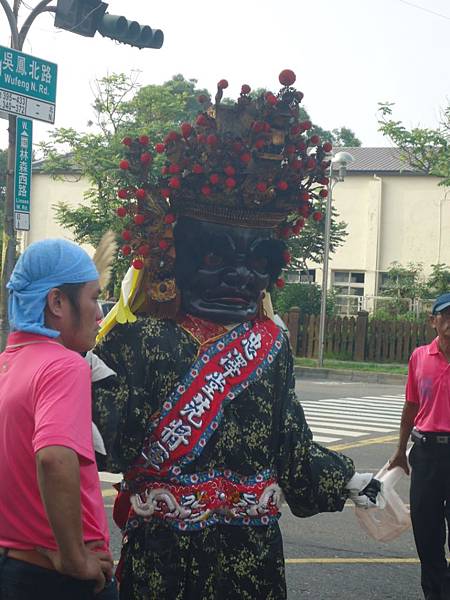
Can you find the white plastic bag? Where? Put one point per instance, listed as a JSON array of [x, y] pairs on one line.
[[385, 524]]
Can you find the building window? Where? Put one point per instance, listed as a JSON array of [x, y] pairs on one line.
[[308, 276], [383, 278], [349, 289]]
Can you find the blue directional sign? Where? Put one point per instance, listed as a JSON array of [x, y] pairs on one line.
[[27, 85], [22, 180]]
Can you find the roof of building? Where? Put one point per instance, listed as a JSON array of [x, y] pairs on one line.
[[378, 160]]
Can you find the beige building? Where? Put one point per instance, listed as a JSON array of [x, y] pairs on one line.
[[392, 214]]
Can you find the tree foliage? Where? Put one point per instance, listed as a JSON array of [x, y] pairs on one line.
[[307, 296], [427, 150]]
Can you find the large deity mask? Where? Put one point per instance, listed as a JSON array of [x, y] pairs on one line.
[[222, 270]]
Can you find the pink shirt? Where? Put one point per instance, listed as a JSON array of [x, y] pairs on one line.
[[428, 385], [45, 400]]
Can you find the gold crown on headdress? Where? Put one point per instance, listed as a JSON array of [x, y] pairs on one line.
[[253, 163]]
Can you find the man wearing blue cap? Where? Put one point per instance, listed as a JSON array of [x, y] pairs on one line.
[[54, 540], [426, 417]]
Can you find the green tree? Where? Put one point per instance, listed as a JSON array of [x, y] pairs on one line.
[[438, 281], [307, 296], [308, 245], [345, 137], [405, 282], [427, 150]]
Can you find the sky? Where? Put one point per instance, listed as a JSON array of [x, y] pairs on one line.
[[348, 56]]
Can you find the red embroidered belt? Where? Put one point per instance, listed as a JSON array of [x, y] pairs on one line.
[[223, 497]]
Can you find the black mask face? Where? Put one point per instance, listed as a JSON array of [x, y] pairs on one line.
[[222, 270]]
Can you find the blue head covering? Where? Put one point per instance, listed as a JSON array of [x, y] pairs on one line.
[[43, 266]]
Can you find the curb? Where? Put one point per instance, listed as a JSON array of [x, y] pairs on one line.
[[348, 375]]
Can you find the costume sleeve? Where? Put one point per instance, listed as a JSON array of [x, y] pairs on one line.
[[311, 476], [63, 407], [111, 398]]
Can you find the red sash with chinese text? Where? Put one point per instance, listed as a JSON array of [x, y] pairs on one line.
[[195, 408]]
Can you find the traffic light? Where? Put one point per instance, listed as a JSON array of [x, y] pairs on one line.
[[86, 17], [130, 32], [79, 16]]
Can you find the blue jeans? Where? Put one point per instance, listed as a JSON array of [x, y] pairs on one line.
[[23, 581]]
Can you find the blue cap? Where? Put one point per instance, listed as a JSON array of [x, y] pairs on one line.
[[441, 303]]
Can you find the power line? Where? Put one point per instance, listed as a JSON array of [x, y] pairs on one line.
[[432, 12]]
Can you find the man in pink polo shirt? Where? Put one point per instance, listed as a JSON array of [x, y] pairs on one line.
[[53, 530], [426, 417]]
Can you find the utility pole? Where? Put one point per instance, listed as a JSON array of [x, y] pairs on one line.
[[9, 233]]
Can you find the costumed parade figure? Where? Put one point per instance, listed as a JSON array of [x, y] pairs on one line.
[[202, 418]]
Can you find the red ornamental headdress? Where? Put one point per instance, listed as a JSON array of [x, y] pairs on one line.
[[251, 164]]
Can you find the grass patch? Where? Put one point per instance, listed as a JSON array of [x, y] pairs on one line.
[[329, 363]]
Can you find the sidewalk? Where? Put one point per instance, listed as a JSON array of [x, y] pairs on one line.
[[349, 375]]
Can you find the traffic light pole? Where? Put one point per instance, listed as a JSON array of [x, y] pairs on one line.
[[9, 233]]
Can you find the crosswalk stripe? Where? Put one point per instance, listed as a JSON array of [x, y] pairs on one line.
[[349, 424], [376, 397], [325, 440], [337, 413], [363, 409], [342, 432]]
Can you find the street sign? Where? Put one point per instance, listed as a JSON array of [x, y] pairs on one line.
[[27, 85], [22, 179]]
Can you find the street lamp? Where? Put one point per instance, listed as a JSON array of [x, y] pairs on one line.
[[338, 170]]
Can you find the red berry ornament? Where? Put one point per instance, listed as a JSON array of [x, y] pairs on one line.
[[229, 170], [144, 140], [186, 130], [212, 140], [271, 99], [146, 158], [197, 169], [230, 183], [323, 193], [175, 183], [261, 186], [174, 169], [206, 190], [246, 157], [126, 250], [223, 83], [121, 212], [214, 179], [317, 216], [287, 77], [159, 148], [280, 283], [123, 194], [245, 89], [201, 120], [140, 193], [127, 141], [163, 244], [144, 250], [139, 219], [315, 140], [126, 235], [327, 147], [282, 185], [138, 264], [124, 165], [169, 219]]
